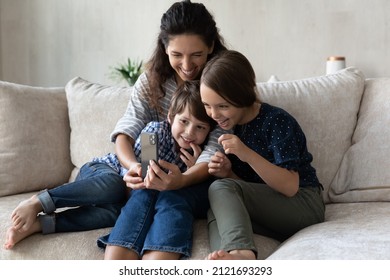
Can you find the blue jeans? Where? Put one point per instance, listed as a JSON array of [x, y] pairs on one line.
[[98, 194], [159, 221]]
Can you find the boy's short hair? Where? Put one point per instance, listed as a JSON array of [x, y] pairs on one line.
[[188, 94]]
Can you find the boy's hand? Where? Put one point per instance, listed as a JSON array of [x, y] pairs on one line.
[[189, 159]]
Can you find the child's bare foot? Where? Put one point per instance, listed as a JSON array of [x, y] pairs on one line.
[[26, 213], [232, 255], [13, 236]]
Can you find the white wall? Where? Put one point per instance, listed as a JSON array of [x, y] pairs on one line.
[[46, 43]]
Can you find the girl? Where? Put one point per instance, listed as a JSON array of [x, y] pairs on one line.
[[188, 39], [268, 185]]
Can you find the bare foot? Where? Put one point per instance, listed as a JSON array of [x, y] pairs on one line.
[[13, 236], [232, 255], [26, 213]]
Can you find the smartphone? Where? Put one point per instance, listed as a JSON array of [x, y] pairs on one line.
[[149, 150]]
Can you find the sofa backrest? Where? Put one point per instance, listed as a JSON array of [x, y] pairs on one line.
[[45, 133], [94, 110], [326, 107]]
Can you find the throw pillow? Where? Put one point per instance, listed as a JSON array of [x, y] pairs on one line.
[[94, 110], [364, 172], [326, 107], [34, 138]]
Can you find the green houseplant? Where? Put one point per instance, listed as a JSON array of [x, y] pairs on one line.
[[128, 71]]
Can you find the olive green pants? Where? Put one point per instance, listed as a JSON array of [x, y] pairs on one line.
[[238, 209]]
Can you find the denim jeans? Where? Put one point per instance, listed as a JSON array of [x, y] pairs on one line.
[[159, 221], [95, 199]]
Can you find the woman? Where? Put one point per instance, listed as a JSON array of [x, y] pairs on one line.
[[188, 38], [267, 182]]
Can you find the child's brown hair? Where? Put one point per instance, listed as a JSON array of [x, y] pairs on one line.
[[188, 94], [231, 75]]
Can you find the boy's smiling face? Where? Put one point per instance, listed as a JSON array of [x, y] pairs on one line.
[[187, 129]]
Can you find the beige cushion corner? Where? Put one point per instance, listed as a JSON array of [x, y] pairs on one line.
[[34, 138], [364, 174], [326, 107], [94, 110]]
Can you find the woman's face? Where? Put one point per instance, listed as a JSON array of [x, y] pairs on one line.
[[187, 129], [187, 55], [223, 112]]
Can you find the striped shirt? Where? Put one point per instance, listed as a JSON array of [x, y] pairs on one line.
[[139, 113]]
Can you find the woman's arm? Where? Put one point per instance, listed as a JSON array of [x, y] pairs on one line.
[[124, 149], [125, 152], [138, 113]]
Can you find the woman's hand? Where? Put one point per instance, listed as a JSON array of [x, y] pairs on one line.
[[125, 152], [158, 179], [189, 159], [133, 177], [220, 166]]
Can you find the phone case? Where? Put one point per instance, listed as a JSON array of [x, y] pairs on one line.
[[149, 150]]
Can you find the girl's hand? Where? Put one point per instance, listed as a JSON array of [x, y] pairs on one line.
[[233, 145], [189, 159], [158, 179], [280, 179], [220, 166], [133, 177]]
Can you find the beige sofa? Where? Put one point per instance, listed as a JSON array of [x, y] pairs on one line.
[[46, 134]]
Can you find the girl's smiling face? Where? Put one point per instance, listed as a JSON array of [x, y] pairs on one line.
[[223, 112]]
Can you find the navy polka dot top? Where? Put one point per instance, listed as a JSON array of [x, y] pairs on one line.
[[276, 136]]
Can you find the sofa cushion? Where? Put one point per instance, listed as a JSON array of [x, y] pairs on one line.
[[94, 110], [351, 231], [34, 138], [364, 173], [326, 107]]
